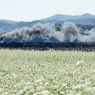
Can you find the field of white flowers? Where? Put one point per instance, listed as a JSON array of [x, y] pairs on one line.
[[24, 72]]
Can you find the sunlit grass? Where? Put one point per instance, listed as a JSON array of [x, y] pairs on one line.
[[24, 72]]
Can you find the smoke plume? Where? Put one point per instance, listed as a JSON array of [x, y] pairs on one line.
[[70, 32], [36, 29], [89, 38], [47, 33]]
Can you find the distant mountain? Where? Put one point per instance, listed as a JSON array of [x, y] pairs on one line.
[[60, 17], [83, 21], [8, 21], [9, 25], [87, 15]]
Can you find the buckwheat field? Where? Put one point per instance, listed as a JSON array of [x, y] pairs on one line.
[[25, 72]]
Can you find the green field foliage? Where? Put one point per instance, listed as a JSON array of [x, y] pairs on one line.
[[34, 72]]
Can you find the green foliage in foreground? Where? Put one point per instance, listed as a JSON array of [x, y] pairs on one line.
[[24, 72]]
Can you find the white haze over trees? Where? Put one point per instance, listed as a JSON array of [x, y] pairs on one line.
[[47, 33]]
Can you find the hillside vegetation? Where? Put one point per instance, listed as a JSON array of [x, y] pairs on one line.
[[24, 72]]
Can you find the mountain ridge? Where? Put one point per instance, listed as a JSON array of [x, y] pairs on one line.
[[9, 25], [61, 17]]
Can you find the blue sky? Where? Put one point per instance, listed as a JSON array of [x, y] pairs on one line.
[[29, 10]]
